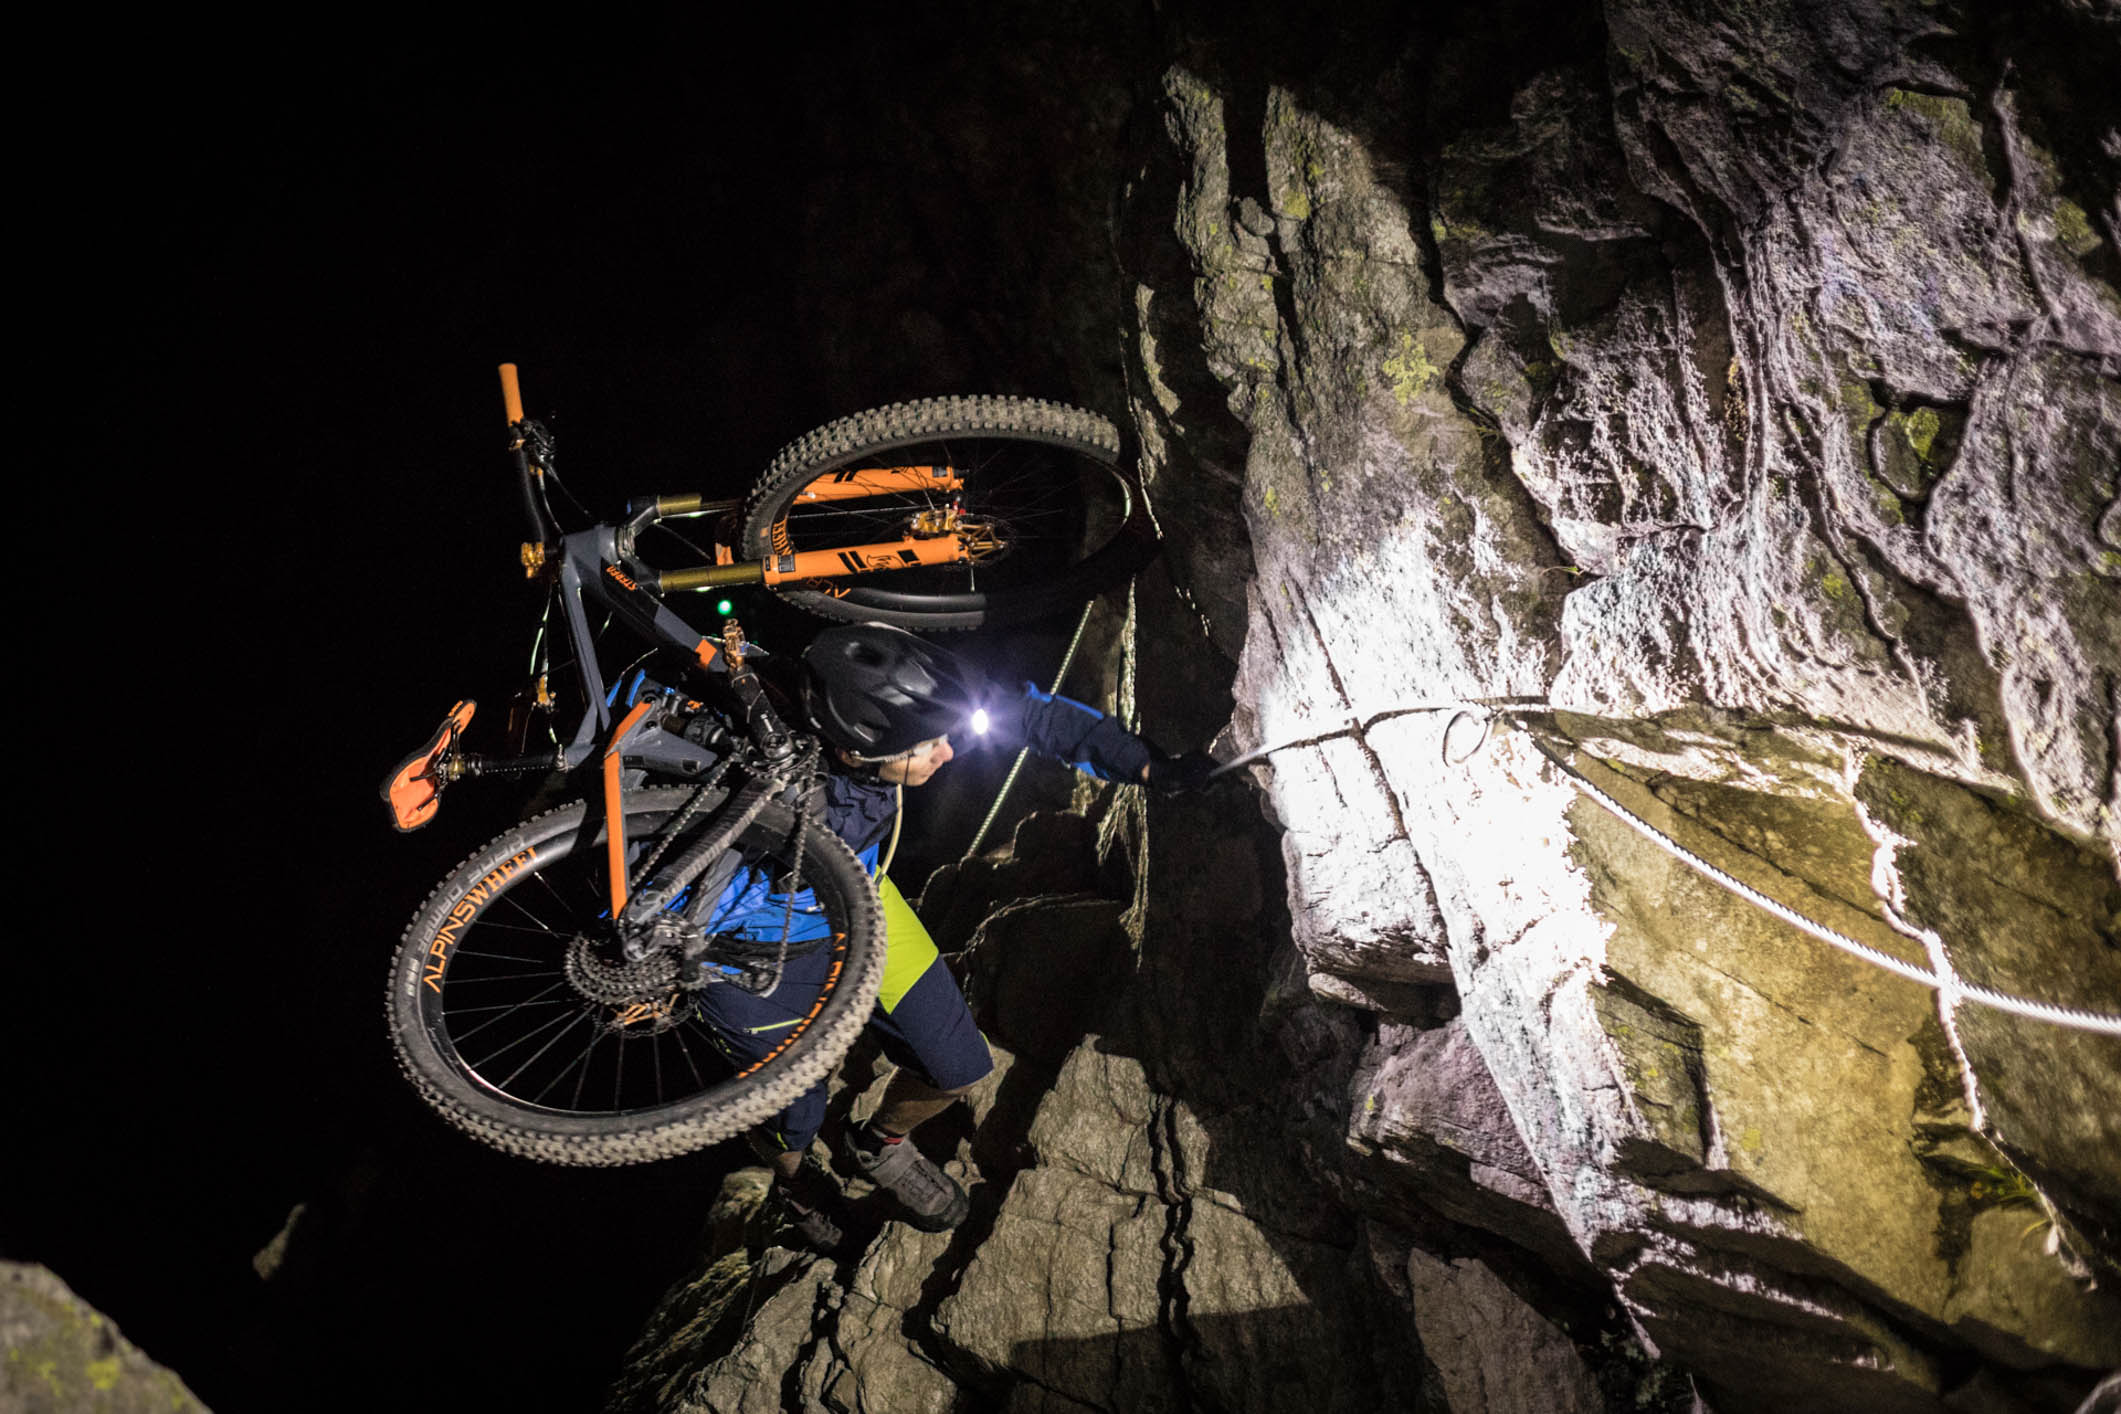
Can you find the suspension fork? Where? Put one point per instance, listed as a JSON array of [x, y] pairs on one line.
[[945, 541]]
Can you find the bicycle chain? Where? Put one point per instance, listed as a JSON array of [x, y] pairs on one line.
[[671, 947], [679, 823], [804, 773], [755, 974]]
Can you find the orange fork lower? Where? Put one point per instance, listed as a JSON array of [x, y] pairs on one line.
[[909, 553], [880, 481], [863, 559]]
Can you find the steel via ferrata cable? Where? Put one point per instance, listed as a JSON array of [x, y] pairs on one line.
[[1489, 710]]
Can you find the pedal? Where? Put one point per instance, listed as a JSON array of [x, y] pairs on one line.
[[413, 792]]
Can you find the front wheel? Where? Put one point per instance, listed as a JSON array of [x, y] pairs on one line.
[[1043, 483], [515, 1019]]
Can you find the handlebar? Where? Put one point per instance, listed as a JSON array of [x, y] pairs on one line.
[[511, 394], [532, 446]]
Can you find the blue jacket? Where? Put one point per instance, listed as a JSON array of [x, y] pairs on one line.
[[859, 808]]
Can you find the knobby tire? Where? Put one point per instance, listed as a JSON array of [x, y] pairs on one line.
[[1022, 457], [517, 903]]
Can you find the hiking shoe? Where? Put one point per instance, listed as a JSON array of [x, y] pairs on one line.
[[931, 1198], [812, 1228], [807, 1222], [809, 1207]]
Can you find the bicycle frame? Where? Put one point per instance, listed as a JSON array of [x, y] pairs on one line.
[[586, 568], [565, 1022], [598, 565], [599, 568]]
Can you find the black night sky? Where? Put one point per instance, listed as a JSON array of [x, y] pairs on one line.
[[272, 266], [286, 277]]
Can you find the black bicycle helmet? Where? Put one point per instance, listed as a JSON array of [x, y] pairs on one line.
[[875, 691]]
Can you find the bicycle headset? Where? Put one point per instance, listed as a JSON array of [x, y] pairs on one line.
[[877, 692]]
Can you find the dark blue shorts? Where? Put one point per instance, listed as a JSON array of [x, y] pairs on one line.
[[920, 1020]]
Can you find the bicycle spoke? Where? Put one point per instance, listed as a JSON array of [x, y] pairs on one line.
[[498, 956], [535, 931], [677, 1034], [506, 1009], [582, 1076], [456, 1011], [538, 1054], [581, 1063], [515, 900]]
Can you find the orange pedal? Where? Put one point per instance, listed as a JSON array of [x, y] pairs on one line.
[[414, 791]]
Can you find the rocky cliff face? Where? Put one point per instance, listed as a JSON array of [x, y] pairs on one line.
[[1722, 405], [58, 1354]]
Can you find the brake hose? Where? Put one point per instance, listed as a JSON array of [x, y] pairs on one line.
[[898, 818]]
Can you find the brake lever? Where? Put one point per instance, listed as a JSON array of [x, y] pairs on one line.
[[535, 442]]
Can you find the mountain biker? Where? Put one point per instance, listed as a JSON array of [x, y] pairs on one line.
[[889, 705]]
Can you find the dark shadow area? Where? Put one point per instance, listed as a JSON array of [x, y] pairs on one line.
[[283, 287], [286, 286]]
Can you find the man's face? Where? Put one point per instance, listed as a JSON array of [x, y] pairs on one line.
[[914, 768]]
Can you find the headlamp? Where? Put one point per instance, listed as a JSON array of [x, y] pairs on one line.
[[979, 721]]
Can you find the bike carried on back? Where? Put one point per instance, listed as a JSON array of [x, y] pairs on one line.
[[541, 999]]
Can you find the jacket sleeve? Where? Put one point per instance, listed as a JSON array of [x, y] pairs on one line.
[[1069, 731]]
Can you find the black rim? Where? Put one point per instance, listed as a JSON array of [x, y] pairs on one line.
[[510, 1019], [1056, 506]]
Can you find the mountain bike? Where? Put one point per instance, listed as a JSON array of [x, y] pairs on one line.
[[542, 997]]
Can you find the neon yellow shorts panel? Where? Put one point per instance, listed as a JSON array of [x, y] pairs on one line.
[[908, 950]]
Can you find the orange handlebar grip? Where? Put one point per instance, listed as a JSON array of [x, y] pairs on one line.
[[511, 394]]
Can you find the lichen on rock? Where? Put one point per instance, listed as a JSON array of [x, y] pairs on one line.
[[58, 1355], [1727, 408]]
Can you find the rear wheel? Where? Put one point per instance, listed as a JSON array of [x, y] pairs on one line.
[[516, 1017], [1044, 479]]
